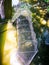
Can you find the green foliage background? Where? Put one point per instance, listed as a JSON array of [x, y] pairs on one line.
[[8, 8]]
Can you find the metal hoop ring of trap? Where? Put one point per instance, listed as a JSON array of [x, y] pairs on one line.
[[27, 42]]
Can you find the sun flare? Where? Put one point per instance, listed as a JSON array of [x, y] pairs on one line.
[[10, 47]]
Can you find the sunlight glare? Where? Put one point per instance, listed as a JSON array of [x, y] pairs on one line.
[[15, 2], [10, 45], [14, 60]]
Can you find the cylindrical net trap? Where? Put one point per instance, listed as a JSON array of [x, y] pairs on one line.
[[27, 42]]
